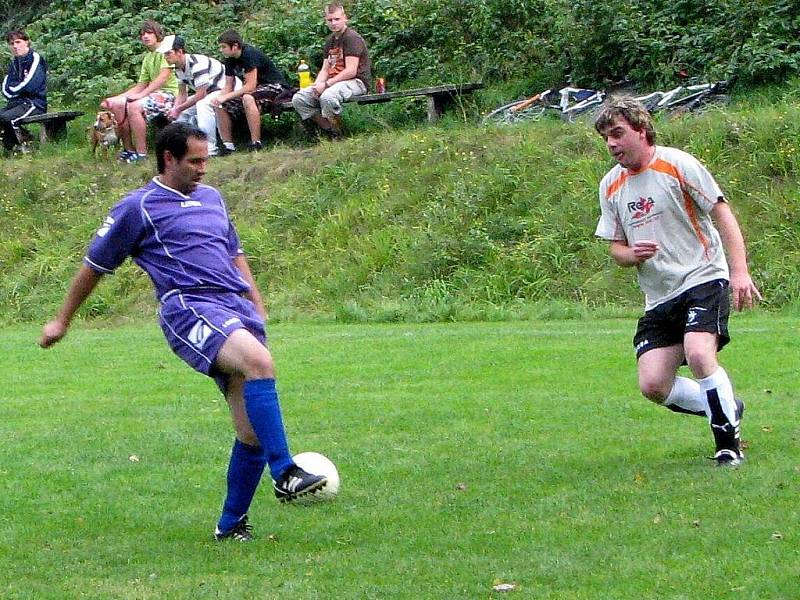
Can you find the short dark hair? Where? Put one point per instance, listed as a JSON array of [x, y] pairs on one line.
[[179, 43], [175, 138], [230, 38], [154, 27], [630, 109], [17, 34]]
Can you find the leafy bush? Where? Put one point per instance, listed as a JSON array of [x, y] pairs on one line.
[[93, 49]]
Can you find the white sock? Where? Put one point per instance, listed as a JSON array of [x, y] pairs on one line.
[[719, 382], [686, 396], [229, 145]]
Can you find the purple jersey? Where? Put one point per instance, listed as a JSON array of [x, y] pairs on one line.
[[184, 243]]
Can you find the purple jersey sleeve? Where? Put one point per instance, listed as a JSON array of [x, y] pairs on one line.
[[117, 237]]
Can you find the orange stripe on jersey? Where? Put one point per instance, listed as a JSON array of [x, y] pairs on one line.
[[616, 184], [663, 166]]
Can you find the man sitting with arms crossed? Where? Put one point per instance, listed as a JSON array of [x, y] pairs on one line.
[[262, 82], [24, 86], [346, 72], [203, 75]]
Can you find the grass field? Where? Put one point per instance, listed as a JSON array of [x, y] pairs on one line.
[[471, 455]]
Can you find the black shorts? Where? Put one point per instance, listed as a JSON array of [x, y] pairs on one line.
[[264, 96], [702, 308]]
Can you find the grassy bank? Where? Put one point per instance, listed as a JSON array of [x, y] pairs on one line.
[[429, 223]]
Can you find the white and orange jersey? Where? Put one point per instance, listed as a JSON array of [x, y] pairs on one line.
[[668, 201]]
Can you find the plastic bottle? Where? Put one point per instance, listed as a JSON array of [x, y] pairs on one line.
[[304, 74]]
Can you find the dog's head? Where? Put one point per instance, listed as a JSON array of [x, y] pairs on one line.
[[105, 121]]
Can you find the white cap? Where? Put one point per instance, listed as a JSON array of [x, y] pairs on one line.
[[166, 44]]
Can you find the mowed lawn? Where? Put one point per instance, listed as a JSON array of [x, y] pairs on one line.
[[471, 455]]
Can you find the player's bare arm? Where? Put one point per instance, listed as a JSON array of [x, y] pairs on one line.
[[633, 255], [743, 291], [82, 285], [253, 295]]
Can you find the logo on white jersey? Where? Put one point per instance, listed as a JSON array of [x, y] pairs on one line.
[[641, 208], [199, 334], [105, 227], [190, 203]]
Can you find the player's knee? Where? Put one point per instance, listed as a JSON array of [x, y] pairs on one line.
[[259, 366], [701, 363], [248, 101], [653, 390]]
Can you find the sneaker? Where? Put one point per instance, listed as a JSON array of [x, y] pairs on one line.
[[728, 458], [296, 483], [124, 155], [241, 532], [254, 146], [134, 158], [225, 151]]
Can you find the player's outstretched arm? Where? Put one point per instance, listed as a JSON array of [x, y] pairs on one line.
[[743, 291], [82, 285]]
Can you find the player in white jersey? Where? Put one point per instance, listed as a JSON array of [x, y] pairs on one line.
[[659, 207]]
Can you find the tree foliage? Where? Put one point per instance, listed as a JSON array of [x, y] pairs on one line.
[[93, 49]]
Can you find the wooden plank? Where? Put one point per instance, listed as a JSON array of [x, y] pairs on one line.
[[63, 116]]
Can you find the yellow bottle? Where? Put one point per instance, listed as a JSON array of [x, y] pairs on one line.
[[304, 74]]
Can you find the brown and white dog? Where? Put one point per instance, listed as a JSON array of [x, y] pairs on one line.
[[103, 132]]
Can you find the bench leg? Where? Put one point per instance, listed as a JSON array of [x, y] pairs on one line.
[[437, 103]]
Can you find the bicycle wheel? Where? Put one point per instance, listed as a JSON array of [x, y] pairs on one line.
[[584, 114], [508, 115], [698, 104]]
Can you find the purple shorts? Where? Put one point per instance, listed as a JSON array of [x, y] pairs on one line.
[[197, 325]]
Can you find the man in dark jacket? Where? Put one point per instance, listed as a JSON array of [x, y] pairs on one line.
[[24, 86]]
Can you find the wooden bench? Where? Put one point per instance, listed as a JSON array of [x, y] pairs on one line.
[[439, 97], [52, 124]]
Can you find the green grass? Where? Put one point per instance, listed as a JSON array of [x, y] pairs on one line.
[[471, 454], [426, 223]]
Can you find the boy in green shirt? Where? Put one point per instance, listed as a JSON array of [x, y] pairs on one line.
[[152, 96]]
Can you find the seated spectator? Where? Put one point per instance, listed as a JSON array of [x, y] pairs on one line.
[[205, 76], [24, 86], [151, 97], [346, 72], [262, 81]]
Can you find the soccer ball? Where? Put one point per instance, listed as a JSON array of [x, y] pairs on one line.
[[319, 464]]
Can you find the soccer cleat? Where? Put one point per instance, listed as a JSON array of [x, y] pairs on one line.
[[296, 483], [225, 151], [728, 458], [241, 532], [254, 146], [124, 155]]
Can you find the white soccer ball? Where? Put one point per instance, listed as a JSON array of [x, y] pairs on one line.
[[318, 464]]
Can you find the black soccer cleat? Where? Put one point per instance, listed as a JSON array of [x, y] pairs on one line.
[[728, 458], [241, 532], [296, 483]]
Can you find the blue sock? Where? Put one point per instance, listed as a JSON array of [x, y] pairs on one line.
[[264, 412], [244, 473]]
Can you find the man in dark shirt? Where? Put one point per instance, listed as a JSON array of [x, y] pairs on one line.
[[262, 82], [345, 72], [24, 86]]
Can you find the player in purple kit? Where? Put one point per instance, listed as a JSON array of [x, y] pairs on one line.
[[211, 312]]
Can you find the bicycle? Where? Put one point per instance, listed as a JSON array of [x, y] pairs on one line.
[[586, 103], [687, 98], [527, 109]]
